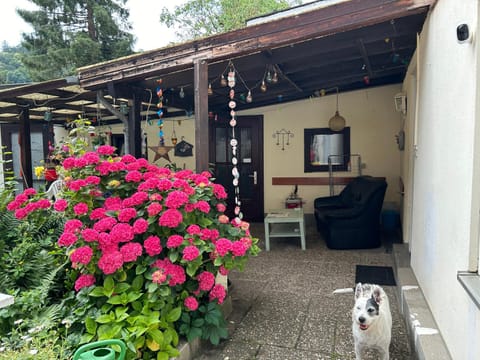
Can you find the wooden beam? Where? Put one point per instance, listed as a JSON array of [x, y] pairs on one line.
[[340, 17], [36, 87], [119, 115], [25, 148], [201, 114], [365, 58]]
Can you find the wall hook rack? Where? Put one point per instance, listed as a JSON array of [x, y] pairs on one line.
[[283, 136]]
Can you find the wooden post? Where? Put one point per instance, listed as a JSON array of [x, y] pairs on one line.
[[25, 148], [200, 70], [134, 128]]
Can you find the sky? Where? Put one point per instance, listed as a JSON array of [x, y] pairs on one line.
[[144, 16]]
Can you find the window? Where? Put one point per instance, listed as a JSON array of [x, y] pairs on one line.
[[323, 145]]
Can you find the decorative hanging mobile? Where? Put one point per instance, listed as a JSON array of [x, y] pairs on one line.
[[233, 143], [161, 151], [160, 114]]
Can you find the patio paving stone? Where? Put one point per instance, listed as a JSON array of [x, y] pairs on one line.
[[284, 307]]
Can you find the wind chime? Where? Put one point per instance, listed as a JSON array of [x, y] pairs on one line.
[[161, 137], [233, 143]]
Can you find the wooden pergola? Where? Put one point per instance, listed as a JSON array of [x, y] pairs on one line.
[[313, 49]]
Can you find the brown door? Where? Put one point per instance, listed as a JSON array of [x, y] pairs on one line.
[[249, 134]]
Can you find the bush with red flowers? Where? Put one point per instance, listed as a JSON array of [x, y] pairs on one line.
[[146, 245]]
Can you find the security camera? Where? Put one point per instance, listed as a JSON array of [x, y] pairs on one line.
[[463, 33]]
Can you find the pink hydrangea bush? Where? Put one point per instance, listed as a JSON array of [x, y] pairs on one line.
[[146, 244]]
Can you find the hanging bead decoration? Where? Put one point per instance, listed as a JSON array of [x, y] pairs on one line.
[[233, 143], [160, 113]]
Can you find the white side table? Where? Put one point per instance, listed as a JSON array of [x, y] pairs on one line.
[[285, 223]]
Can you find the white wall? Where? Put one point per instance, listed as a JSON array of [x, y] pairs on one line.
[[443, 170]]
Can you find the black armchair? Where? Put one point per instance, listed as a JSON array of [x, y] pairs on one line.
[[351, 220]]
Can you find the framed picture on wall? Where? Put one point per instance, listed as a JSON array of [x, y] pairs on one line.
[[322, 145]]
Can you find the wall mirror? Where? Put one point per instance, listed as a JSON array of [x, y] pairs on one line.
[[322, 143]]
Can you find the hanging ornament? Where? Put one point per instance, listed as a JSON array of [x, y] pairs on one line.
[[269, 77], [275, 78], [174, 135], [234, 143], [231, 78], [181, 93], [210, 91], [223, 81], [263, 87], [249, 98]]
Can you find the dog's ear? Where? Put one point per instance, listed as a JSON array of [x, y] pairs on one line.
[[358, 290], [377, 295]]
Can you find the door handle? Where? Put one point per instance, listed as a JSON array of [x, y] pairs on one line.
[[254, 175]]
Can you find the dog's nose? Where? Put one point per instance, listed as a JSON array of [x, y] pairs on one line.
[[361, 319]]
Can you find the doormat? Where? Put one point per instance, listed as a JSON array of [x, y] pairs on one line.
[[380, 275]]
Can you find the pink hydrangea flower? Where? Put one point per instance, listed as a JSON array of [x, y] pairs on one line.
[[219, 191], [110, 262], [68, 163], [72, 225], [89, 235], [175, 199], [164, 185], [67, 239], [29, 191], [21, 213], [221, 207], [80, 209], [60, 205], [223, 219], [159, 276], [238, 248], [92, 180], [154, 209], [127, 214], [223, 271], [43, 204], [113, 203], [84, 280], [104, 224], [152, 245], [140, 226], [122, 232], [203, 206], [91, 158], [191, 303], [106, 150], [171, 218], [190, 253], [131, 251], [193, 229], [127, 158], [218, 292], [223, 246], [98, 213], [133, 176], [174, 241], [82, 255], [206, 280]]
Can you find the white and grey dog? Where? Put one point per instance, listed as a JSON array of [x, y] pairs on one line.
[[372, 320]]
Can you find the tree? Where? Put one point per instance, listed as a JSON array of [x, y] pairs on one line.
[[73, 33], [12, 70], [199, 18]]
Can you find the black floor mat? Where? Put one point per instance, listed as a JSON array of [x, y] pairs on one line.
[[380, 275]]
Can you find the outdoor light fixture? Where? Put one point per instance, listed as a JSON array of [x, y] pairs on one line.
[[337, 121]]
